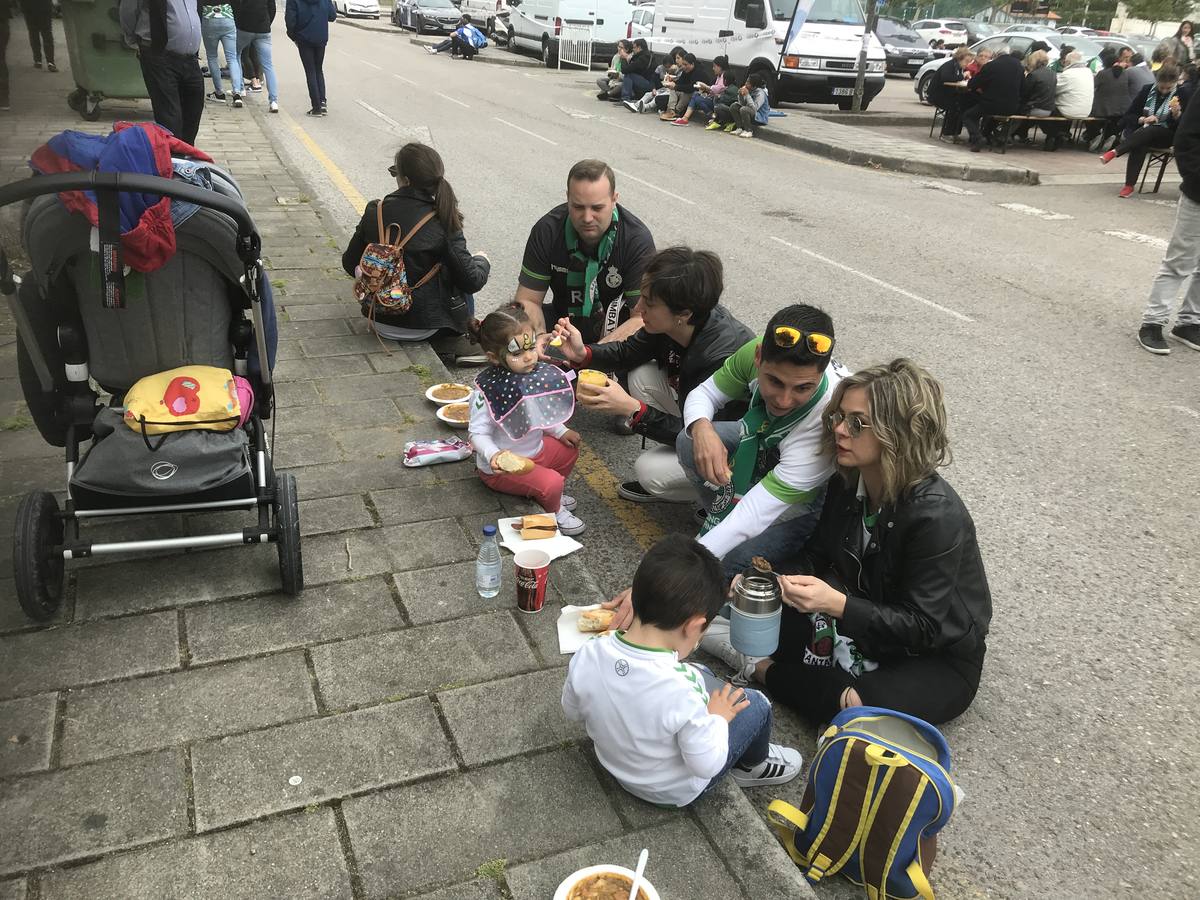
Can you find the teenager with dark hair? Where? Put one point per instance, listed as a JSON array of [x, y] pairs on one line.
[[1149, 123], [254, 18], [307, 23], [667, 730], [442, 307], [751, 108], [685, 337]]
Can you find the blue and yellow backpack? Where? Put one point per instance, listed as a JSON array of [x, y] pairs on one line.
[[878, 792]]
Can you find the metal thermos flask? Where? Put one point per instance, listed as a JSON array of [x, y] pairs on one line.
[[754, 613]]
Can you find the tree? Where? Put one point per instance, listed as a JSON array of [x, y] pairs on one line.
[[1155, 11]]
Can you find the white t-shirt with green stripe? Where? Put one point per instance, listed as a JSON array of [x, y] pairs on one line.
[[802, 468], [647, 714]]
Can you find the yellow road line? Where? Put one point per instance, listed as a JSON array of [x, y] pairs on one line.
[[336, 175], [599, 478]]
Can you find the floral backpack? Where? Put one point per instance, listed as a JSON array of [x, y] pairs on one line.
[[380, 278]]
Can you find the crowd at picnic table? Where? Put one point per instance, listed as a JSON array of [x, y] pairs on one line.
[[1118, 103]]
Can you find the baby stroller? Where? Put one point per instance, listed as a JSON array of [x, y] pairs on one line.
[[83, 320]]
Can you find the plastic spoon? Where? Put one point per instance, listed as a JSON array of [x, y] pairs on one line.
[[637, 876]]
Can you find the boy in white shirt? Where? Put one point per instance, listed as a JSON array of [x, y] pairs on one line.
[[667, 730]]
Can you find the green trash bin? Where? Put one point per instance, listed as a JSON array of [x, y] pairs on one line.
[[101, 63]]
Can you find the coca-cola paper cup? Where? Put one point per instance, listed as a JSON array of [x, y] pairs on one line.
[[533, 570]]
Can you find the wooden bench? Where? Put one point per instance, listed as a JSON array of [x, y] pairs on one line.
[[1076, 126], [1159, 156]]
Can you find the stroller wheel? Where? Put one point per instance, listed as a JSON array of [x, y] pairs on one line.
[[287, 521], [37, 558]]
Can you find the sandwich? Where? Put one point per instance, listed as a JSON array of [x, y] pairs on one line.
[[591, 376], [512, 463], [536, 528], [596, 620]]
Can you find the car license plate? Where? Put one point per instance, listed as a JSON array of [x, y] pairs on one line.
[[843, 92], [915, 62]]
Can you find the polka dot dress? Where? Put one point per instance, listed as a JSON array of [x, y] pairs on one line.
[[519, 404]]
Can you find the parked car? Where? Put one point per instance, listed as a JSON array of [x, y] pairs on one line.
[[491, 16], [1144, 44], [906, 50], [951, 32], [367, 9], [977, 31], [1077, 29], [641, 21], [1008, 42], [432, 16]]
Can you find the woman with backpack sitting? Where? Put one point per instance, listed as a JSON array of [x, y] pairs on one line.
[[441, 273], [893, 605]]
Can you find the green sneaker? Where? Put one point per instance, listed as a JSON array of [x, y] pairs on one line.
[[712, 126], [730, 128]]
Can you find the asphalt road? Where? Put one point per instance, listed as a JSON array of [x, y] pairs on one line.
[[1074, 449]]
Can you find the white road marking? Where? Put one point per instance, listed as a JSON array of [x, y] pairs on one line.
[[1170, 203], [1187, 410], [1034, 211], [655, 187], [661, 140], [452, 99], [369, 108], [371, 64], [525, 131], [575, 113], [876, 281], [1136, 238], [948, 188], [405, 80]]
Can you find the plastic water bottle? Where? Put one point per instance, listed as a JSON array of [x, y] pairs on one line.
[[487, 564]]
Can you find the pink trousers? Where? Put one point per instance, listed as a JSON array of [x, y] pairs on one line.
[[545, 483]]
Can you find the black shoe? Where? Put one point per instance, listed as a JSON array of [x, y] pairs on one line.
[[37, 63], [1188, 335], [1151, 338], [976, 147], [314, 112], [603, 95], [635, 493], [51, 67], [237, 101]]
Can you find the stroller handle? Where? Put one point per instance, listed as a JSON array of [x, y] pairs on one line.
[[249, 243]]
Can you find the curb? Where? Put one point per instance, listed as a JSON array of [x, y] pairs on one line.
[[501, 58], [867, 119], [908, 165]]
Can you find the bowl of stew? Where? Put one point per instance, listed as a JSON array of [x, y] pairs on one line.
[[603, 882]]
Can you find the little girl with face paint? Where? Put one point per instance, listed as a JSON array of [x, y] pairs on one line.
[[522, 405]]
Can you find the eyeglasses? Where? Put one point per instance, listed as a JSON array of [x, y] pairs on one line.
[[854, 422], [393, 171], [820, 344], [521, 344]]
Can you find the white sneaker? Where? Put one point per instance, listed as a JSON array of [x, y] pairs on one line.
[[567, 502], [715, 642], [274, 107], [634, 106], [429, 49], [781, 766], [569, 523], [745, 133]]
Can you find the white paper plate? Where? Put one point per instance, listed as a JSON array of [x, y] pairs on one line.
[[432, 399], [441, 414], [570, 638]]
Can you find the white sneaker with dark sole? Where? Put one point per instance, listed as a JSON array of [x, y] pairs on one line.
[[781, 766], [569, 523], [635, 493], [715, 642], [567, 502]]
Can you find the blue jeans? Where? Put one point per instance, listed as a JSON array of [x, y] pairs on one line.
[[749, 732], [701, 104], [783, 539], [262, 44], [223, 32], [633, 86]]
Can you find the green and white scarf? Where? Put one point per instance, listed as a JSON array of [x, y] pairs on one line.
[[585, 284]]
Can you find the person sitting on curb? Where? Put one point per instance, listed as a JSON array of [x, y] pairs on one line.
[[752, 108], [681, 87], [707, 96], [635, 74], [668, 730], [466, 40], [611, 82], [891, 605], [761, 479], [685, 337]]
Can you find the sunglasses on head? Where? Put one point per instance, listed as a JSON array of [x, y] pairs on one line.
[[820, 344], [854, 422], [521, 344], [393, 171]]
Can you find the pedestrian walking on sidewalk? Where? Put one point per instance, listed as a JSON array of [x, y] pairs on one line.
[[38, 18], [217, 28], [307, 23], [1181, 263], [5, 15], [166, 34], [254, 18]]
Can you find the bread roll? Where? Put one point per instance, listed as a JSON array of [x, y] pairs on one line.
[[591, 376], [596, 619], [512, 463], [539, 527]]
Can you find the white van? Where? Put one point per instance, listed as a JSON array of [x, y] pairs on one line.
[[818, 67], [536, 25]]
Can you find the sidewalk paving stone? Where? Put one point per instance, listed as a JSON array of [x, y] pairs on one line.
[[413, 504], [518, 810], [72, 655], [26, 731], [276, 622], [381, 441], [513, 715], [447, 592], [427, 658], [306, 368], [180, 707], [250, 775], [369, 387], [294, 856], [471, 890], [682, 864], [300, 421], [71, 813], [16, 889]]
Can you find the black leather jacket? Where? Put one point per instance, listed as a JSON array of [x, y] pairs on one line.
[[439, 303], [919, 588], [715, 342]]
